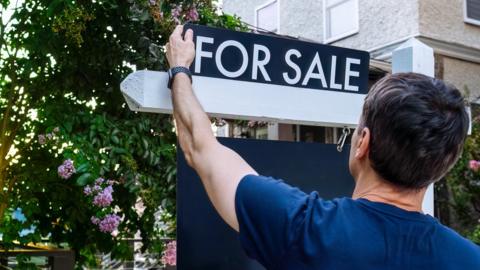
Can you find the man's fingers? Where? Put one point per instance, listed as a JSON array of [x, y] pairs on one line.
[[177, 33], [189, 35]]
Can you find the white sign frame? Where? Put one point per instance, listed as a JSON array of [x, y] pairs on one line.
[[146, 91]]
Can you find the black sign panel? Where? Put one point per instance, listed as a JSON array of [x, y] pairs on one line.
[[278, 60], [205, 241]]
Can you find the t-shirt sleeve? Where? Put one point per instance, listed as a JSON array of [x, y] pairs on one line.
[[270, 214]]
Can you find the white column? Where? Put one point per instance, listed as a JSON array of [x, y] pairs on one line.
[[272, 131], [415, 56]]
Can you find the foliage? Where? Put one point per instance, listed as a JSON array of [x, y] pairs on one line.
[[464, 184], [60, 67]]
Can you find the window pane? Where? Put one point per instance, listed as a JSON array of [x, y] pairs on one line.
[[333, 2], [473, 9], [312, 134], [267, 17], [343, 18]]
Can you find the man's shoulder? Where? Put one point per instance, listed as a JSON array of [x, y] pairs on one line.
[[455, 251], [447, 237]]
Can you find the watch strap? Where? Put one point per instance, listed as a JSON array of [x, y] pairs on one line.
[[174, 71]]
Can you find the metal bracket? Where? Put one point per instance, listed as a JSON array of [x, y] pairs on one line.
[[343, 137]]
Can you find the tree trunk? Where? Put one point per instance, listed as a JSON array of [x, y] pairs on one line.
[[3, 195], [3, 207]]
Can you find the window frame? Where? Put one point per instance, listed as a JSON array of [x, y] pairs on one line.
[[465, 16], [327, 22], [266, 4]]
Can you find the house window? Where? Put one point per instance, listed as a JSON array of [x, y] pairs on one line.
[[340, 19], [267, 16], [471, 11]]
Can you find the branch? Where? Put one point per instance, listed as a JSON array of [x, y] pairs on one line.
[[10, 186], [476, 206], [8, 144], [5, 121], [5, 147]]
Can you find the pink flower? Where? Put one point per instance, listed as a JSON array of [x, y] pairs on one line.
[[87, 190], [109, 223], [95, 220], [66, 170], [474, 165], [192, 14], [42, 139], [104, 198], [176, 13], [56, 130], [99, 181], [169, 255]]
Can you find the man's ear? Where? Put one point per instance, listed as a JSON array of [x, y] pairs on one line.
[[363, 143]]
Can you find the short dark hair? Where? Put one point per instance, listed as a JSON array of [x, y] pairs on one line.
[[418, 126]]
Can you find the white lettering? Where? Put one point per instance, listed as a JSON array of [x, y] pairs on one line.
[[349, 73], [201, 53], [320, 75], [260, 64], [295, 67], [218, 58], [333, 70]]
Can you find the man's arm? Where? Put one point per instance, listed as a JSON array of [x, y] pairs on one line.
[[219, 167]]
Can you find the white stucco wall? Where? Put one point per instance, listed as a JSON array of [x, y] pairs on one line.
[[383, 22], [298, 18], [245, 9], [443, 20], [302, 19], [463, 74]]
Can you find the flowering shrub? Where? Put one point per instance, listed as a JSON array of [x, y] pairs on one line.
[[43, 138], [109, 223], [169, 255], [66, 170], [474, 165], [100, 195], [68, 121], [461, 209], [179, 12]]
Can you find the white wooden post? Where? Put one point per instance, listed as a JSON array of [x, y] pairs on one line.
[[415, 56]]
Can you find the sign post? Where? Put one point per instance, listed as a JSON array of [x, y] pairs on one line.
[[261, 77], [415, 56]]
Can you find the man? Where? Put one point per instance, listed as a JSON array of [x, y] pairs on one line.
[[411, 132]]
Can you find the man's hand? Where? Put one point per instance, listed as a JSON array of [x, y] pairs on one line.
[[180, 51]]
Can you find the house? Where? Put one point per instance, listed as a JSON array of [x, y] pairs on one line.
[[450, 27]]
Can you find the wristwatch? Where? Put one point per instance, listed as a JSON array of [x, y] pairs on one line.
[[174, 71]]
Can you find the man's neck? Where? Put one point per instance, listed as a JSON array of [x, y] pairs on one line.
[[371, 187]]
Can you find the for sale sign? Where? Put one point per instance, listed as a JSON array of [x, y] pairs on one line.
[[263, 77], [273, 60]]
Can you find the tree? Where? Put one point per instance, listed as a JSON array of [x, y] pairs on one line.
[[60, 68]]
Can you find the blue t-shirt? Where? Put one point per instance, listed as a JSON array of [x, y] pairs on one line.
[[285, 228]]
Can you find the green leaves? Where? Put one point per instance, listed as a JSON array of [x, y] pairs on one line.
[[80, 52], [82, 168], [84, 179]]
